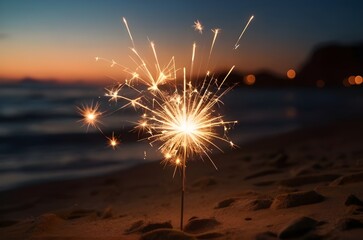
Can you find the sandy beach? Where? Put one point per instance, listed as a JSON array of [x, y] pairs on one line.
[[306, 184]]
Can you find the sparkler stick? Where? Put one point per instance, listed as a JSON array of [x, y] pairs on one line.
[[184, 155], [182, 121]]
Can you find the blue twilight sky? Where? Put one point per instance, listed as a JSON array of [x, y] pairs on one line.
[[58, 39]]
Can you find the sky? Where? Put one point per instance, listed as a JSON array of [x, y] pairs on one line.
[[55, 39]]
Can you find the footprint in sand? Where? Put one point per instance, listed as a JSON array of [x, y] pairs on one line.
[[250, 201], [254, 204], [225, 203]]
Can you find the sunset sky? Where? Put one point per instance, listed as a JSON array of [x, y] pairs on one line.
[[59, 39]]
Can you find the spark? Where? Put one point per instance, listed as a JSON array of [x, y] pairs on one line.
[[112, 141], [113, 93], [193, 56], [215, 31], [128, 30], [226, 77], [90, 115], [198, 26], [236, 45]]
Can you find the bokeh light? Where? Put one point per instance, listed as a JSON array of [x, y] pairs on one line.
[[358, 80], [291, 74], [249, 79], [320, 83]]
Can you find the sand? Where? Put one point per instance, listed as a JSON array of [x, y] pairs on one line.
[[307, 184]]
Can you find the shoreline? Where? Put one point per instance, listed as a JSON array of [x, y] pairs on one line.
[[265, 139], [241, 199]]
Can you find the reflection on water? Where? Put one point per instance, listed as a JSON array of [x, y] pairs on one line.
[[41, 138]]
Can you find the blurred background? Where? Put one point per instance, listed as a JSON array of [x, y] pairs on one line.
[[299, 64]]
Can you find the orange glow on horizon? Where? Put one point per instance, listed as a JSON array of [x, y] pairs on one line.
[[67, 66]]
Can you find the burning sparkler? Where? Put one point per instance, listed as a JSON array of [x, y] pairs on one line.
[[182, 119]]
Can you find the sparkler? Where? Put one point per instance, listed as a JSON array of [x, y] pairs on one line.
[[182, 119]]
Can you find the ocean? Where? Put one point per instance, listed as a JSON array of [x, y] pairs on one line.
[[42, 138]]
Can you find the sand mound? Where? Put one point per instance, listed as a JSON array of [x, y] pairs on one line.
[[296, 199], [142, 227], [198, 225], [226, 203]]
